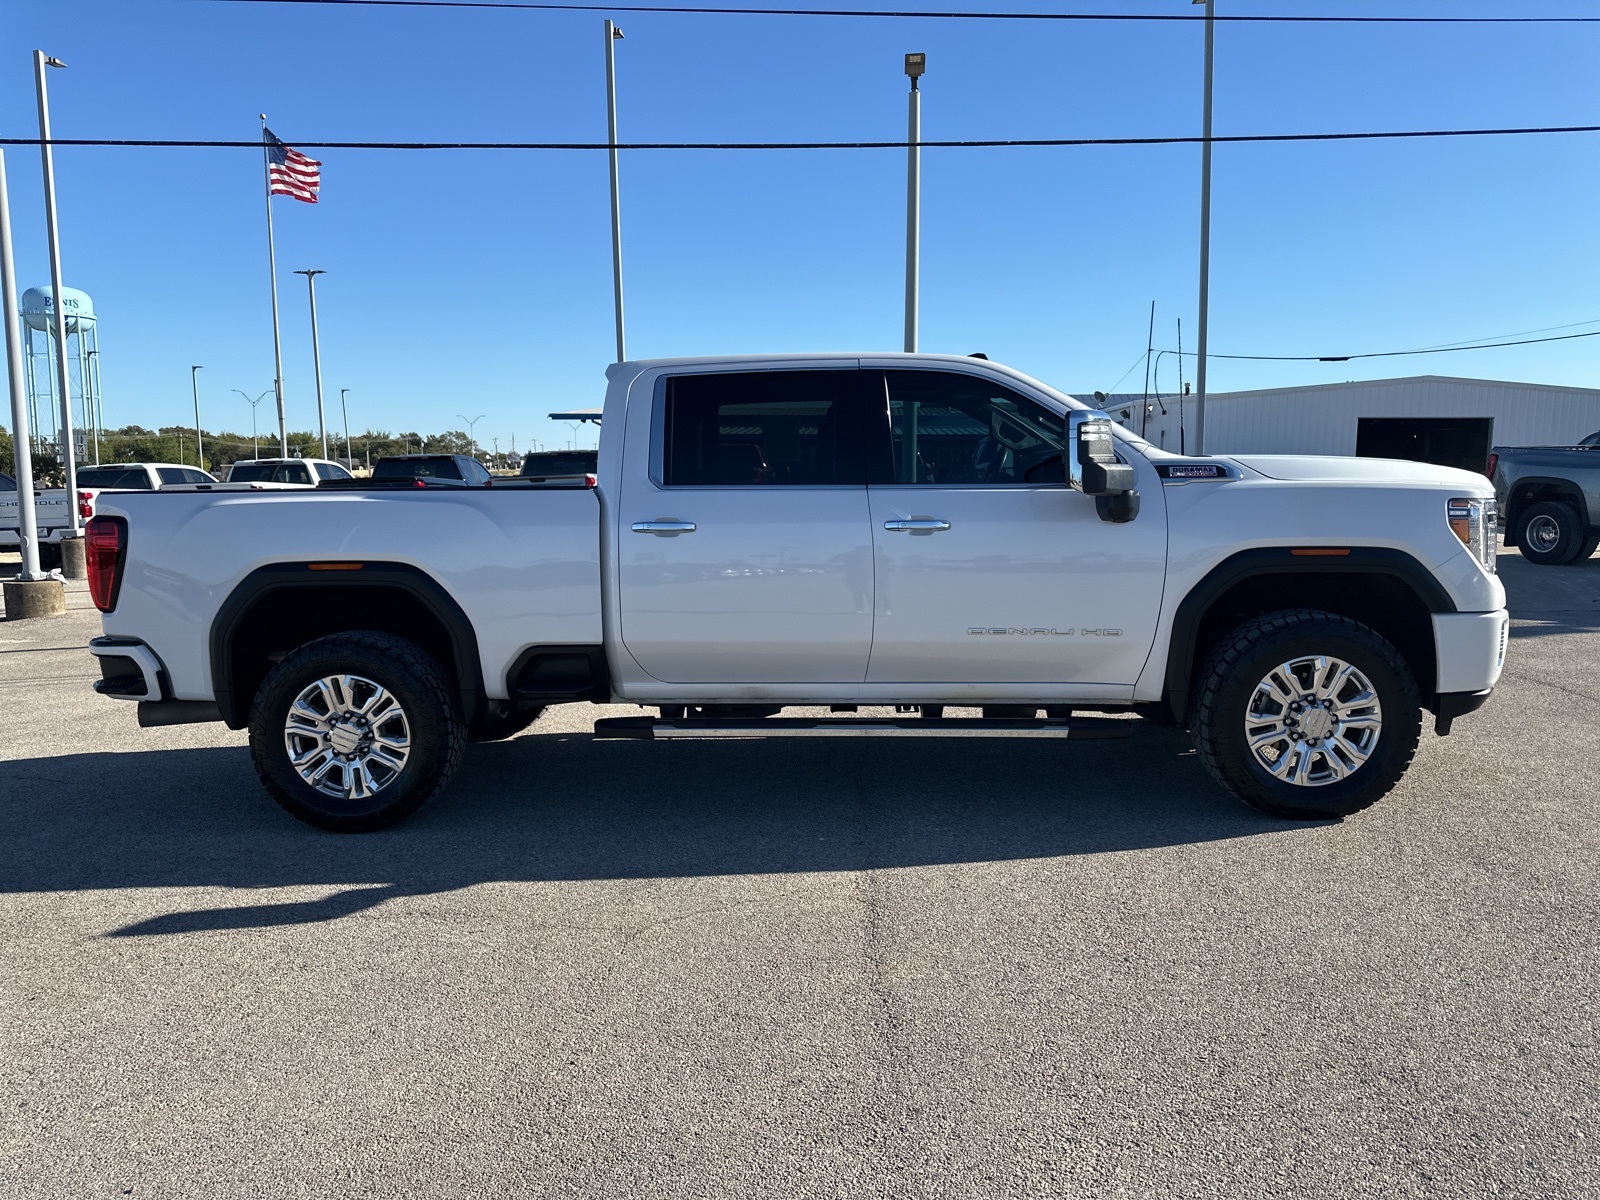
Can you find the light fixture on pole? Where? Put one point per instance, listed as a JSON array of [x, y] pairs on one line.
[[69, 463], [199, 438], [614, 35], [345, 413], [471, 426], [316, 355], [253, 401], [1205, 237], [916, 64]]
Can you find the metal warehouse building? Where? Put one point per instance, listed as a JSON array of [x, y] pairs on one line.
[[1429, 418]]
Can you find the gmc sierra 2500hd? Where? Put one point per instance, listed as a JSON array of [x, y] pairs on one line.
[[920, 531]]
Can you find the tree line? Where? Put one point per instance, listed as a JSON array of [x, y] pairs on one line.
[[176, 444]]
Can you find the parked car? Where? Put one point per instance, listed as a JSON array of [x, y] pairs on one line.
[[554, 464], [52, 509], [291, 472], [459, 468], [1550, 499], [768, 532]]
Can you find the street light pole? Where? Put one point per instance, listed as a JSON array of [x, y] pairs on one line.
[[345, 413], [199, 438], [1205, 237], [316, 354], [68, 450], [614, 35], [471, 426], [22, 447], [253, 401], [915, 65]]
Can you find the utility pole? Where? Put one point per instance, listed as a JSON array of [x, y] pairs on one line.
[[316, 355], [69, 463], [614, 35], [1205, 237], [915, 65], [199, 438]]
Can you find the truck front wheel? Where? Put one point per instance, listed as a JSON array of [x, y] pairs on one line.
[[1307, 715], [1550, 533], [355, 731]]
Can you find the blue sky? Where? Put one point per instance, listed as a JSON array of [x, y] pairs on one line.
[[470, 282]]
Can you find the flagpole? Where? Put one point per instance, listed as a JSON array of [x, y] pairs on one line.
[[272, 263]]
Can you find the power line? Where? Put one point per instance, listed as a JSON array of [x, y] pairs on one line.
[[913, 14], [1336, 358], [952, 144]]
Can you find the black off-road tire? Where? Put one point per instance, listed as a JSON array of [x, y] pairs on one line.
[[1569, 533], [1591, 542], [424, 690], [1244, 656], [502, 725]]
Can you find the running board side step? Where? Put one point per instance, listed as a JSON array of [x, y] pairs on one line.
[[654, 728]]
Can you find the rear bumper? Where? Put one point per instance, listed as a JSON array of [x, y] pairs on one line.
[[129, 670]]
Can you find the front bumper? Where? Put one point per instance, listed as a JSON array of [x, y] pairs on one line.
[[1470, 650]]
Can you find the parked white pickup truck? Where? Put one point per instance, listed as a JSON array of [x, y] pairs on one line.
[[846, 531], [52, 509]]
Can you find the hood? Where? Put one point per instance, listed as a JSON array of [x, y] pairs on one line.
[[1313, 468]]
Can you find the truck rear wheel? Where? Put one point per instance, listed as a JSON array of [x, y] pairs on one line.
[[1307, 715], [1550, 533], [355, 731]]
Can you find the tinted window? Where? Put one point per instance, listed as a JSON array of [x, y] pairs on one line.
[[331, 471], [7, 484], [545, 463], [195, 476], [760, 428], [173, 475], [416, 468], [948, 428], [476, 471], [126, 478], [260, 472]]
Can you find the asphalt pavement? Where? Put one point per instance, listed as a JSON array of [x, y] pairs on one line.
[[793, 968]]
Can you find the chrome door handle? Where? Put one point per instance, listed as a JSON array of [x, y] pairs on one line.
[[664, 527], [917, 525]]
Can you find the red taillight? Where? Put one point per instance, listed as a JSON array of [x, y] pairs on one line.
[[590, 481], [105, 545], [85, 505], [1494, 461], [419, 483]]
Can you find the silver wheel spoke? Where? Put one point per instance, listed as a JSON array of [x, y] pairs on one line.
[[347, 736], [1313, 720]]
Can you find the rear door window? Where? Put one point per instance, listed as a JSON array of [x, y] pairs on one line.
[[131, 479], [762, 429]]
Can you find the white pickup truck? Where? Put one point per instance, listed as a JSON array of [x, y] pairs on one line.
[[52, 509], [839, 532]]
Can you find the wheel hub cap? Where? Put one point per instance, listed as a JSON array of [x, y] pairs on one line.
[[1313, 721], [347, 736], [1544, 533]]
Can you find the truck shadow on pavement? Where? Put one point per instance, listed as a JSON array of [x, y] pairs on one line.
[[560, 806]]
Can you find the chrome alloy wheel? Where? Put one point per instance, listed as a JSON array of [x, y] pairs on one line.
[[1313, 721], [1543, 533], [347, 736]]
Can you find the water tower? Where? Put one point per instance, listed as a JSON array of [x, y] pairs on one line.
[[83, 366]]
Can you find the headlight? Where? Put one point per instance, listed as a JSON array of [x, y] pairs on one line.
[[1473, 521]]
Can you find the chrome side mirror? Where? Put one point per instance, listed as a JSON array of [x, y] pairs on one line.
[[1094, 469]]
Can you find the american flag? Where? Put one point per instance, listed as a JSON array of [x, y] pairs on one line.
[[290, 173]]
